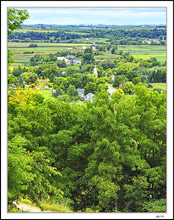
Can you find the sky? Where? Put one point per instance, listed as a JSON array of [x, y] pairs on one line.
[[108, 16]]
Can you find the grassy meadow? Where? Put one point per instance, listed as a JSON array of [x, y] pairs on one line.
[[159, 85], [46, 93], [146, 51]]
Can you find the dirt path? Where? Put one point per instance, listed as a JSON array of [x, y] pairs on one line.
[[29, 208], [111, 90]]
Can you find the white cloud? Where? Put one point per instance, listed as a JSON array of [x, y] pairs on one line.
[[85, 15], [104, 12]]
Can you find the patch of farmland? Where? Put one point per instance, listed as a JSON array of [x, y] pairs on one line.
[[159, 85], [25, 45], [159, 57], [22, 58]]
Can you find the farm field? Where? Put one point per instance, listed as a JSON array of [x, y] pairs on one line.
[[22, 58], [24, 45], [106, 56], [46, 93], [159, 85], [146, 51], [138, 51], [18, 49], [159, 57]]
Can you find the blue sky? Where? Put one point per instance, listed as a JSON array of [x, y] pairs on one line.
[[109, 16]]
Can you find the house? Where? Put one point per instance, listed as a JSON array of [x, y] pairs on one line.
[[153, 40], [70, 56], [81, 92], [75, 61], [83, 47], [63, 58], [93, 47], [53, 92], [89, 97]]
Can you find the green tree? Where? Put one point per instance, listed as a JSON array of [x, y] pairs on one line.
[[119, 79], [72, 91], [88, 58], [129, 88], [88, 50], [90, 87], [58, 92], [136, 80], [29, 77], [16, 18]]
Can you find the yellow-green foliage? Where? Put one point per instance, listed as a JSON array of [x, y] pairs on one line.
[[55, 207], [51, 206]]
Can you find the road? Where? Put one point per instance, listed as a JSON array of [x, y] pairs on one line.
[[29, 208], [111, 90]]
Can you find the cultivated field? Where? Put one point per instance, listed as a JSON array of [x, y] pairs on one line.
[[146, 51], [25, 45], [138, 51], [159, 85]]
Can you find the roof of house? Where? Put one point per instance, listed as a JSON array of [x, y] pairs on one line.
[[90, 94], [54, 91], [81, 90]]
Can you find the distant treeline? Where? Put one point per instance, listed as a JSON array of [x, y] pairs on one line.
[[119, 34]]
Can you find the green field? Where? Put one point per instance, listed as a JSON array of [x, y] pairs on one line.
[[25, 45], [106, 56], [18, 49], [22, 58], [46, 93], [159, 85], [146, 51], [137, 51]]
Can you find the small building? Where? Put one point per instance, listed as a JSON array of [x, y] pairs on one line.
[[53, 92], [63, 58], [83, 47], [93, 47], [75, 61], [81, 92], [70, 56], [89, 97], [153, 40]]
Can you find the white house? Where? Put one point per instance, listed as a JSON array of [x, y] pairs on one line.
[[76, 61], [81, 92], [89, 97], [63, 58], [70, 56], [83, 47]]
